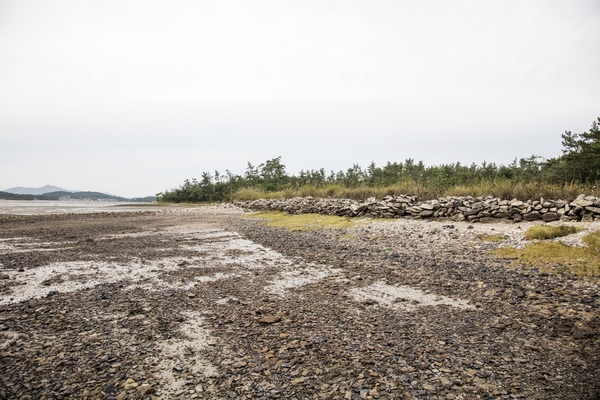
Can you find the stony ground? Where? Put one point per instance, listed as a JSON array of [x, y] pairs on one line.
[[204, 303]]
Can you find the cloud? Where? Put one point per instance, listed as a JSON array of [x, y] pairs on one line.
[[235, 79]]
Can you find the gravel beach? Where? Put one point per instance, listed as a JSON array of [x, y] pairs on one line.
[[205, 303]]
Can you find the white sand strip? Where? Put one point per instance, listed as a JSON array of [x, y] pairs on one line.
[[403, 297]]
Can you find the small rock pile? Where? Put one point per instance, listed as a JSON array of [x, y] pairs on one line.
[[480, 209]]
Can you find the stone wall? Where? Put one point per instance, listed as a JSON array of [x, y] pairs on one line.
[[480, 209]]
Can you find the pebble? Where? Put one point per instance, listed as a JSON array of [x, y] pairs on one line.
[[532, 336]]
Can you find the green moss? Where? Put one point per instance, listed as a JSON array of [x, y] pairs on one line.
[[303, 222], [543, 232], [557, 257]]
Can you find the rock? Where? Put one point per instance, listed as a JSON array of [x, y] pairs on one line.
[[445, 382], [458, 217], [145, 389], [587, 217], [4, 276], [532, 216], [581, 201], [270, 319], [299, 380], [453, 208], [110, 389], [550, 216], [328, 343], [429, 388], [130, 384]]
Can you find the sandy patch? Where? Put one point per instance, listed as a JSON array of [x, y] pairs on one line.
[[403, 297], [178, 356], [23, 245], [218, 248], [227, 300], [448, 232], [297, 278]]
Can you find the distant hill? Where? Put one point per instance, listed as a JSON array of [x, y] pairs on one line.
[[66, 195], [36, 191]]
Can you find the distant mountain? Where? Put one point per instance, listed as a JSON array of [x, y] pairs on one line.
[[37, 191], [65, 195]]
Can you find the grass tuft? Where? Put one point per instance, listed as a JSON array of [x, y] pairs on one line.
[[593, 241], [303, 222], [558, 258], [544, 232], [492, 238]]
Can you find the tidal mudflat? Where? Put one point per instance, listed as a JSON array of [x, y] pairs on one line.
[[183, 303]]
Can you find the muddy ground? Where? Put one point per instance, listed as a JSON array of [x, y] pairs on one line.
[[205, 303]]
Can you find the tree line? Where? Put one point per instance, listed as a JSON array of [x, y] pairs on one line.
[[579, 163]]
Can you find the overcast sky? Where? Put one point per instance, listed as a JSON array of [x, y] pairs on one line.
[[133, 97]]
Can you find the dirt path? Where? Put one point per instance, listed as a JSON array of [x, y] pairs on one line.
[[200, 303]]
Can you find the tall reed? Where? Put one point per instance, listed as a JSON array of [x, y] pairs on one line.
[[502, 189]]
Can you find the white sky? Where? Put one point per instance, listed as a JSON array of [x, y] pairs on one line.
[[133, 97]]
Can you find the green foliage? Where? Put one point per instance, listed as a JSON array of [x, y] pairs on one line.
[[13, 196], [581, 157], [576, 171]]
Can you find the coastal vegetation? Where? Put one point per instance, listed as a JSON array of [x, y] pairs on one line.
[[576, 171], [544, 232], [557, 257]]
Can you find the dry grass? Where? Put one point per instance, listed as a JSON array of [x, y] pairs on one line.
[[503, 189], [544, 232], [249, 194], [558, 258], [492, 238], [523, 191], [168, 204], [307, 221]]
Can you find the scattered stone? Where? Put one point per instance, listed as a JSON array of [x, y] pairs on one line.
[[270, 319], [144, 389], [434, 315], [480, 209]]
